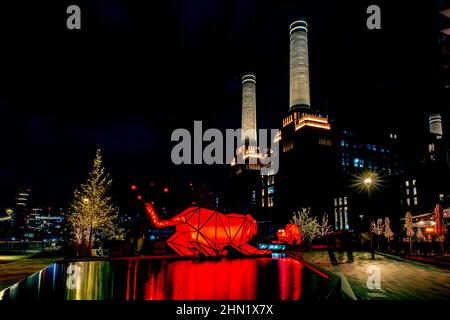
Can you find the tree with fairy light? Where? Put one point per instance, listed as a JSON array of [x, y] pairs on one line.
[[309, 226], [93, 216]]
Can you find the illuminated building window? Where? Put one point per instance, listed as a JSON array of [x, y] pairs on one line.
[[431, 147], [340, 201], [345, 200], [343, 143], [271, 190], [346, 218], [407, 192], [336, 221], [270, 204], [415, 191], [407, 183], [341, 226], [441, 197], [408, 202], [416, 202], [335, 202], [374, 147], [324, 141], [356, 162], [414, 182]]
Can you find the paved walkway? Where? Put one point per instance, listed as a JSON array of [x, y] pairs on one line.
[[400, 279], [17, 268]]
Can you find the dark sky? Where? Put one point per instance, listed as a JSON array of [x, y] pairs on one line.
[[140, 69]]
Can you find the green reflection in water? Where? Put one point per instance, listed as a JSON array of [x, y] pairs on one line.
[[89, 280]]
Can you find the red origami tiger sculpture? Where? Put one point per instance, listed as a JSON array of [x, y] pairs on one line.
[[208, 232]]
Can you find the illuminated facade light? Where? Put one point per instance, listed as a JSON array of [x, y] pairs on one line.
[[313, 121], [277, 137], [435, 122]]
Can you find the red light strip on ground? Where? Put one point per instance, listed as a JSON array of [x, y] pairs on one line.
[[315, 270]]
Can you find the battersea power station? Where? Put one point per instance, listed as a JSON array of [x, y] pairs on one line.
[[306, 155], [323, 166]]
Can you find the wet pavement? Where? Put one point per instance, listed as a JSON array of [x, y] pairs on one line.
[[400, 279]]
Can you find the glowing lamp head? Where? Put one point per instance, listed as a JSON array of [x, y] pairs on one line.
[[368, 182]]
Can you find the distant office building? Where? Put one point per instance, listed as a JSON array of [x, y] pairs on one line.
[[44, 224], [359, 157], [21, 210]]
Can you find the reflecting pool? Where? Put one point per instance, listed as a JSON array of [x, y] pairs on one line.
[[172, 279]]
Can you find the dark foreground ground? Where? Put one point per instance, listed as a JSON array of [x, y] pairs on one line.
[[400, 279]]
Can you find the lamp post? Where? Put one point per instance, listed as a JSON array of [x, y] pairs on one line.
[[368, 182]]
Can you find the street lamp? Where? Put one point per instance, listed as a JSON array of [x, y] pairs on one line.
[[368, 182]]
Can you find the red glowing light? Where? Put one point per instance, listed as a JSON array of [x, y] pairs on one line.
[[133, 187], [139, 197], [166, 190], [290, 235], [229, 279], [208, 232]]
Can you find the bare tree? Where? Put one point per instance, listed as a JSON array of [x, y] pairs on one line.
[[325, 228]]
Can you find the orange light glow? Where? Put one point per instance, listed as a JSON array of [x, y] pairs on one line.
[[290, 235], [429, 229], [313, 121]]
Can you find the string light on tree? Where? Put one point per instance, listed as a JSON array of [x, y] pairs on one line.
[[93, 214]]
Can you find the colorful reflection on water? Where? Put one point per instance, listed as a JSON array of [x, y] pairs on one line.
[[163, 279]]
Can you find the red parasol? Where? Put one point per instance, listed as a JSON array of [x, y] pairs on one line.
[[439, 228]]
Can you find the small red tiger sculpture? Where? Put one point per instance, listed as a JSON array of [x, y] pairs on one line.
[[290, 235], [208, 232]]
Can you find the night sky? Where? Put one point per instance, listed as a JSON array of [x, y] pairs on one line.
[[140, 69]]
